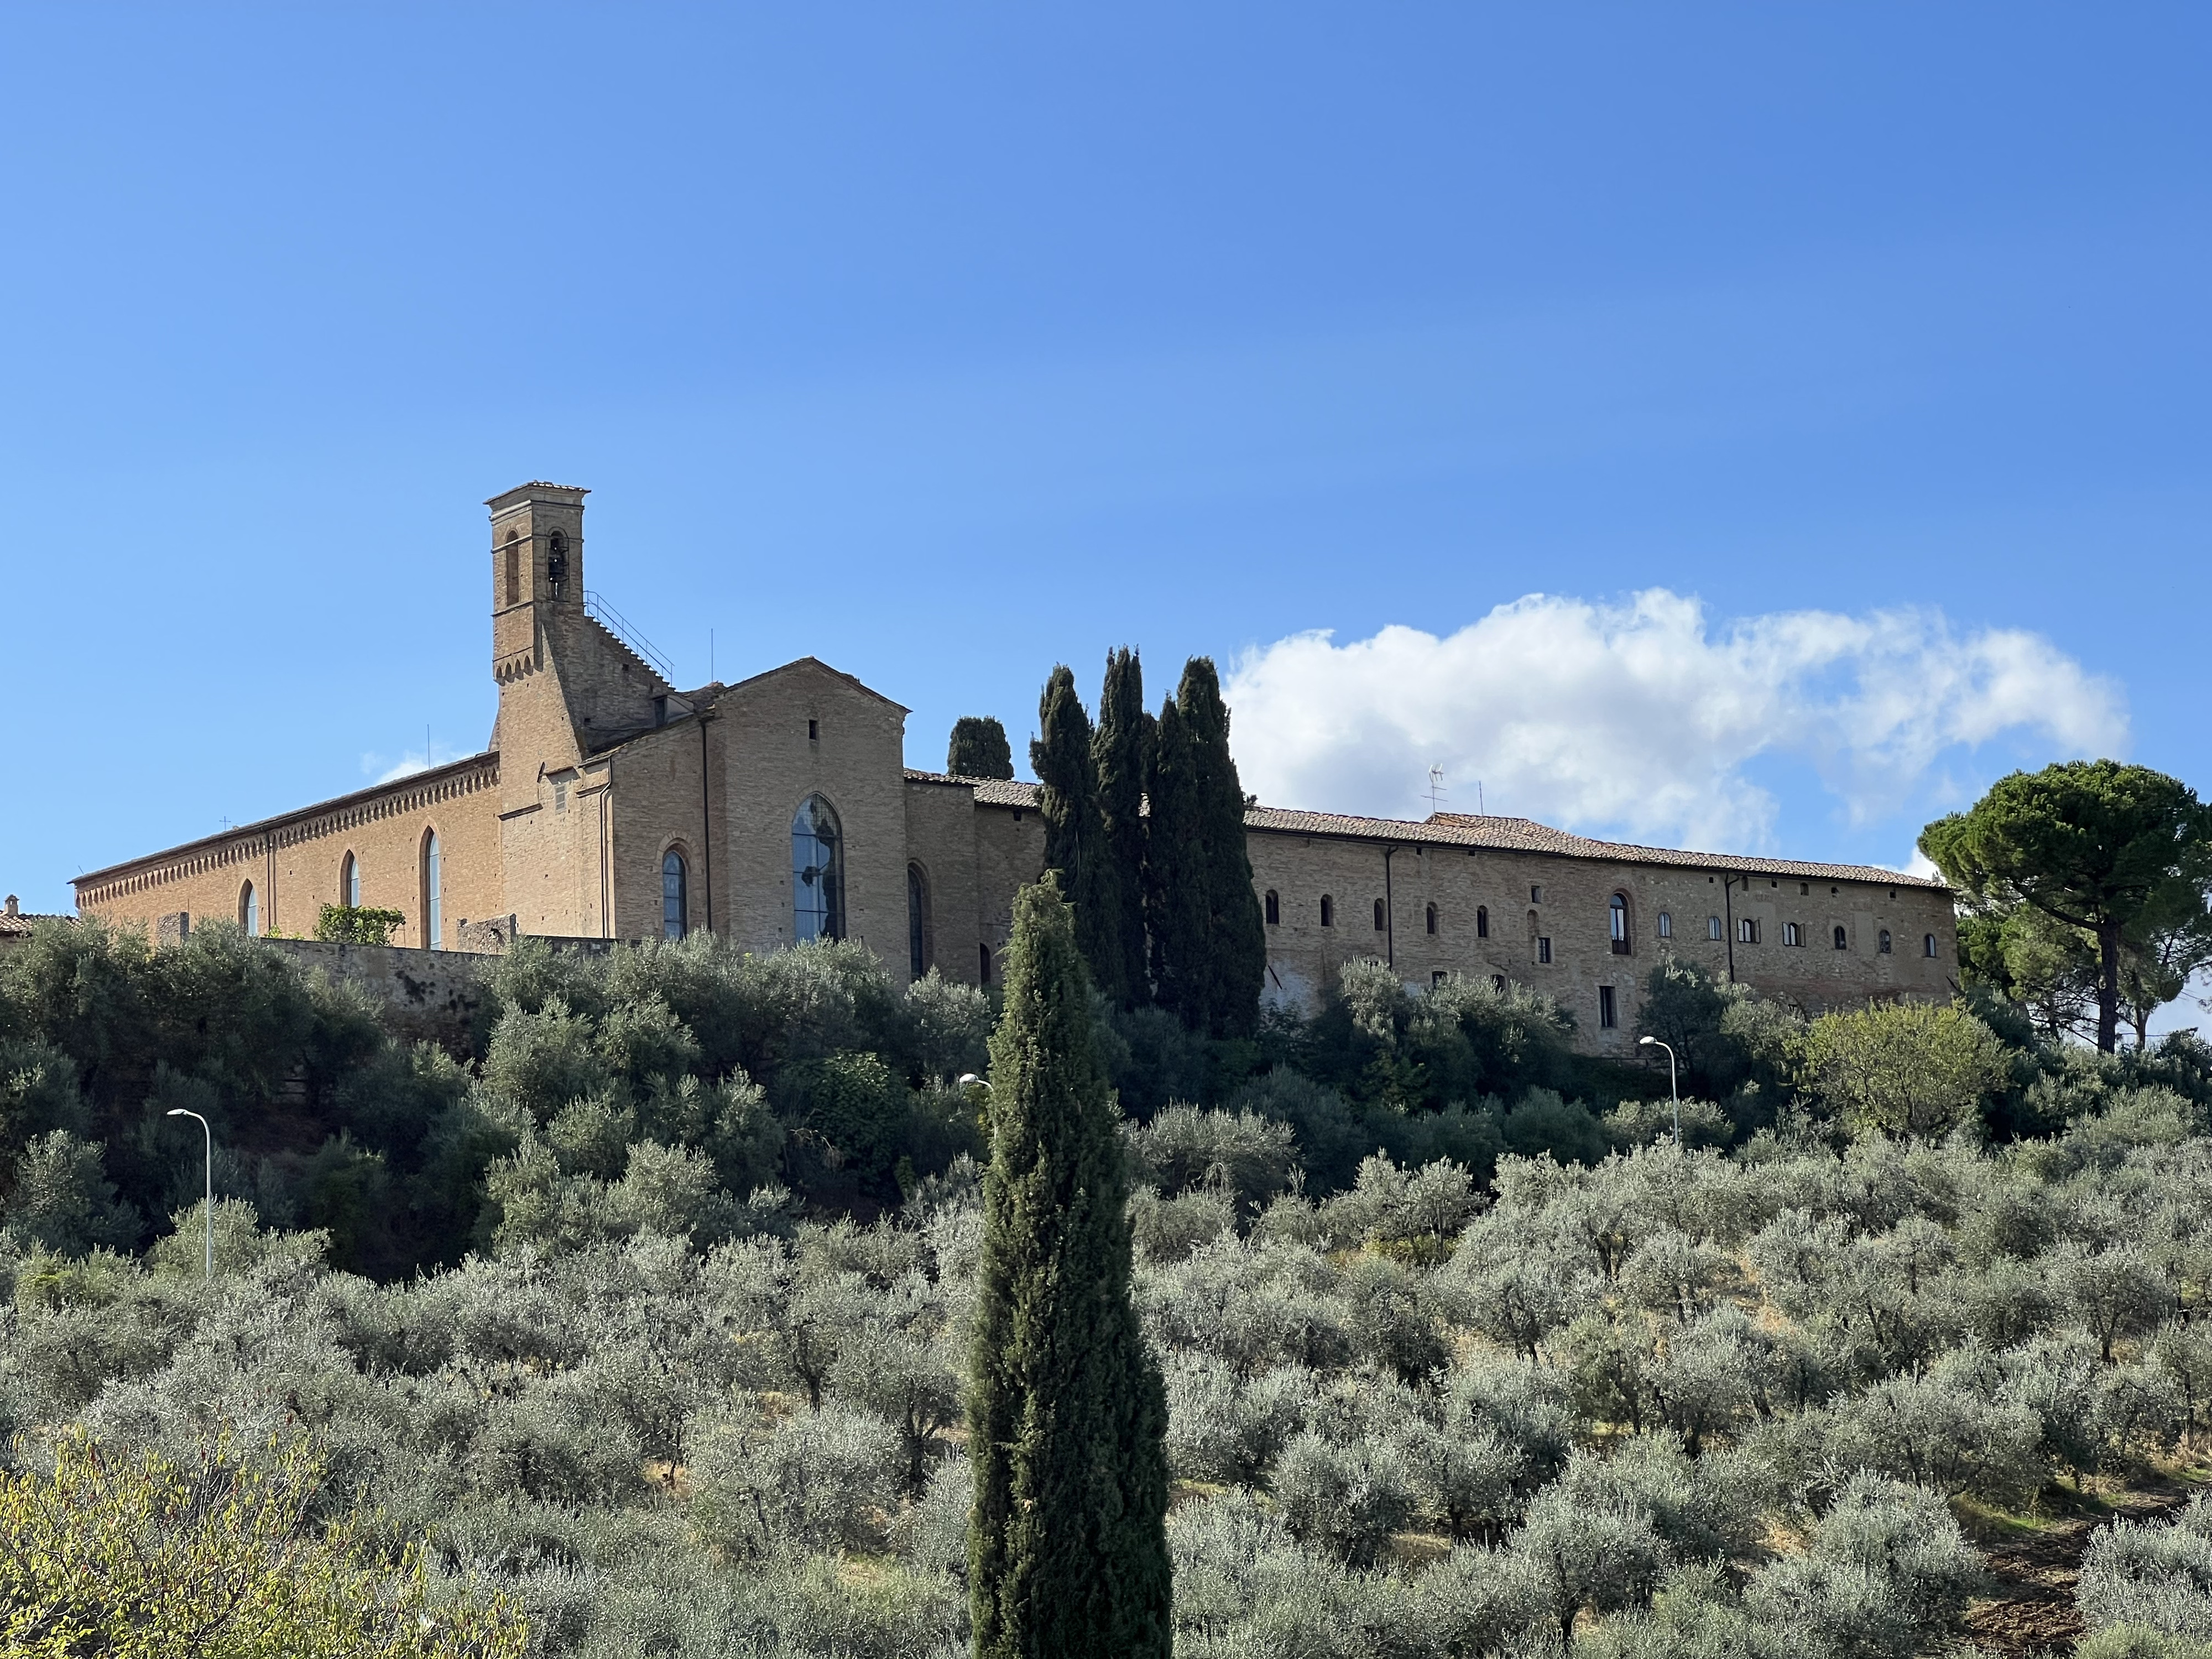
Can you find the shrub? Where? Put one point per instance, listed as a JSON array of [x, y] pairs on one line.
[[821, 1479], [1912, 1069], [1345, 1499], [2153, 1575], [113, 1554], [352, 924]]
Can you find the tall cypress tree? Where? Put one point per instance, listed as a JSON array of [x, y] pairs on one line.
[[1074, 833], [1067, 1414], [979, 748], [1175, 910], [1233, 964], [1122, 751]]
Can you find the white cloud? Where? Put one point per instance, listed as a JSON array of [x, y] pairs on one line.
[[383, 769], [1639, 719]]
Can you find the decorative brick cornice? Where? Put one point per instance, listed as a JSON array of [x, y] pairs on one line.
[[257, 840]]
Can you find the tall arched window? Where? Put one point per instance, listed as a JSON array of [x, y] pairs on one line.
[[1328, 911], [350, 883], [557, 564], [1927, 945], [249, 912], [1618, 920], [434, 902], [921, 934], [1882, 947], [1482, 921], [1432, 918], [818, 873], [675, 896], [1843, 939], [1381, 918], [1712, 927], [984, 951], [1274, 908], [1666, 925]]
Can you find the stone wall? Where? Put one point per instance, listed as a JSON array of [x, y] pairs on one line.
[[429, 996], [1492, 908]]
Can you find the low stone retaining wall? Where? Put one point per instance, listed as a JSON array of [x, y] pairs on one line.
[[428, 995]]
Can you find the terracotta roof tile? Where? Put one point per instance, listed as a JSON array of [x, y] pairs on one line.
[[1467, 829]]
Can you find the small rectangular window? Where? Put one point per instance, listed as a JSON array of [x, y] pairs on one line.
[[1436, 976], [1497, 983], [1605, 1013], [560, 794], [1543, 950], [814, 731], [1536, 894]]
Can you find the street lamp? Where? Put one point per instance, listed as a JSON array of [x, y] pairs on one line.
[[179, 1111], [1671, 1084]]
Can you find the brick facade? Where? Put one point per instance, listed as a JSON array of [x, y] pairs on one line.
[[599, 768]]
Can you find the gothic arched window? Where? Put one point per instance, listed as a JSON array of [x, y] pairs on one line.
[[1482, 921], [1381, 918], [556, 565], [1666, 925], [1432, 918], [921, 941], [1328, 911], [1843, 939], [675, 896], [249, 912], [1618, 921], [434, 902], [1274, 908], [1882, 947], [350, 883], [818, 873]]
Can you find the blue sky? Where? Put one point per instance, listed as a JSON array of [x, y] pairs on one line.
[[1840, 378]]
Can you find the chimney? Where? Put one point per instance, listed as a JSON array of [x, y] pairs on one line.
[[12, 910]]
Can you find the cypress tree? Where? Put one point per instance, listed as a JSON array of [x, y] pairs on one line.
[[1123, 753], [1174, 897], [1233, 964], [1074, 833], [1067, 1414], [979, 748]]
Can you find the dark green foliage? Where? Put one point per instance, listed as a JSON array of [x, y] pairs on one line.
[[1728, 1046], [979, 748], [1075, 841], [1122, 751], [1209, 943], [2112, 850], [1068, 1413]]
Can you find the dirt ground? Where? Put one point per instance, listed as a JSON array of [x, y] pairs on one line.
[[2032, 1611]]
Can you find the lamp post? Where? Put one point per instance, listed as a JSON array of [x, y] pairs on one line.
[[1674, 1087], [179, 1111]]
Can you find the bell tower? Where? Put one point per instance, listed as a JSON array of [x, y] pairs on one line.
[[537, 572]]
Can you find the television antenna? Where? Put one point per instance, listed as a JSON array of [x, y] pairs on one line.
[[1438, 793]]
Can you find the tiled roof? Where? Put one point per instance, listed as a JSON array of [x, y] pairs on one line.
[[989, 792], [1466, 829], [1526, 836], [18, 924]]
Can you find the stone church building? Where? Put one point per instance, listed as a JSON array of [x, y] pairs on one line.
[[611, 805]]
